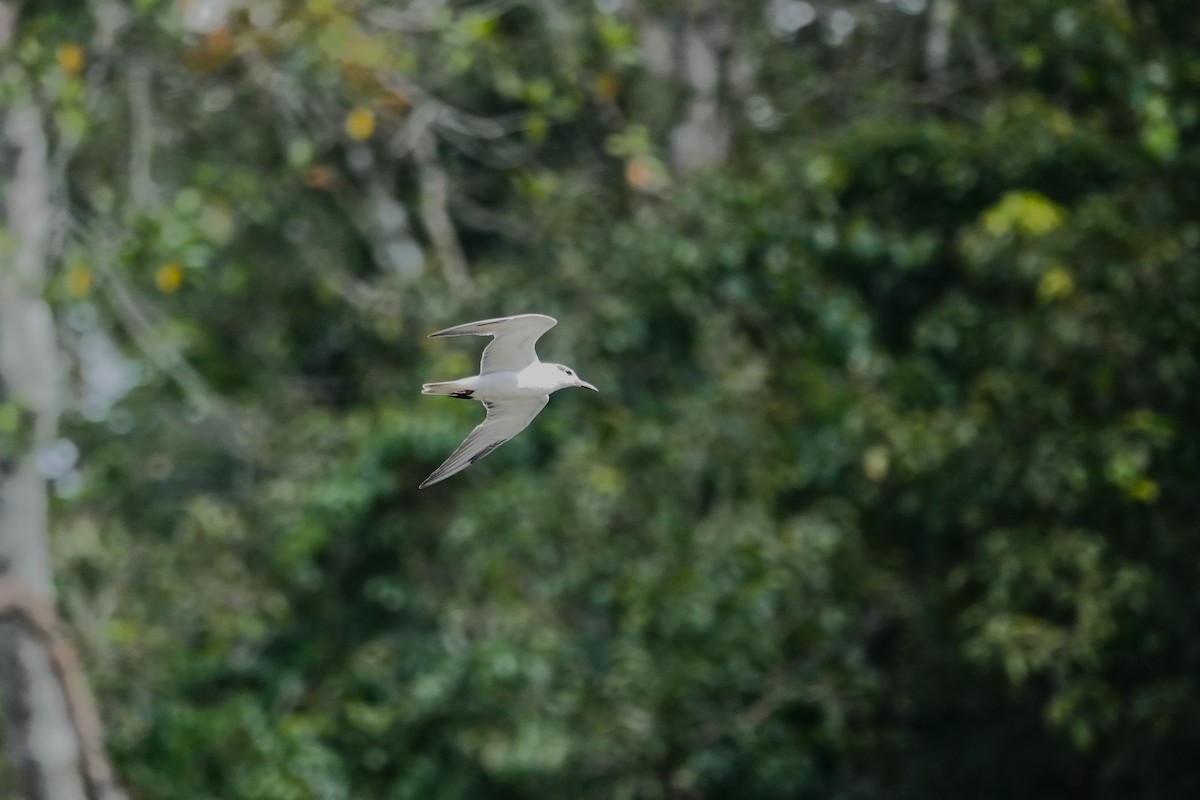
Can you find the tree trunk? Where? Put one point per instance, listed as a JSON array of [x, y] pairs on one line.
[[38, 730], [700, 51]]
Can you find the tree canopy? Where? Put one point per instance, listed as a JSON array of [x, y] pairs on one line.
[[894, 309]]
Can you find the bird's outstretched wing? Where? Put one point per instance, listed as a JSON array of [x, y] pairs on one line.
[[505, 419], [512, 347]]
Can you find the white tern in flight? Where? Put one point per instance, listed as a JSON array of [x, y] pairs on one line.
[[513, 385]]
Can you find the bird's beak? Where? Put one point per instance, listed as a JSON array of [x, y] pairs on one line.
[[586, 385]]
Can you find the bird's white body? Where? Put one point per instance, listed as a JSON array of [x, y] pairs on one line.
[[536, 380], [513, 385]]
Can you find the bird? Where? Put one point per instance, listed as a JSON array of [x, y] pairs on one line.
[[513, 385]]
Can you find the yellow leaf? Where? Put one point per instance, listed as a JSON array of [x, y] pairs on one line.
[[70, 58], [169, 277], [478, 27], [121, 631], [606, 480], [1055, 283], [645, 174], [360, 124], [79, 281], [1024, 212], [607, 87], [875, 463], [1060, 123], [1143, 490], [535, 127], [321, 8]]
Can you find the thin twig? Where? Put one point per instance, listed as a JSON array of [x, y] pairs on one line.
[[453, 118], [137, 315], [482, 218]]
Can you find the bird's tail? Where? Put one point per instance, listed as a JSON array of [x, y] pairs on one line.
[[448, 389]]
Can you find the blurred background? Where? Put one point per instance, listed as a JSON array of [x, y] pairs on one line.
[[890, 490]]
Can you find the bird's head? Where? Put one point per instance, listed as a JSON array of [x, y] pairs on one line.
[[568, 378]]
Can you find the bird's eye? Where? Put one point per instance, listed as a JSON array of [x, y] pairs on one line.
[[570, 373]]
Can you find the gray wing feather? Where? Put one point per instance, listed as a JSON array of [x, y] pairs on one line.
[[513, 343], [505, 419]]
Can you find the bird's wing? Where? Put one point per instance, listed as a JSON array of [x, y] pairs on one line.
[[505, 419], [512, 347]]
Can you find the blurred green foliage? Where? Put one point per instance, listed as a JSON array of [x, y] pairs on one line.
[[889, 490]]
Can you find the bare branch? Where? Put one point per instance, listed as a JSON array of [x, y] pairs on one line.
[[419, 17], [8, 23], [940, 18], [455, 119], [139, 319], [40, 620], [482, 218], [423, 16], [987, 68], [164, 356], [433, 210], [142, 188]]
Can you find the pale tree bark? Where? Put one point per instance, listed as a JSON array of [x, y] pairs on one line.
[[701, 51], [937, 46], [38, 618], [433, 210], [38, 730]]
